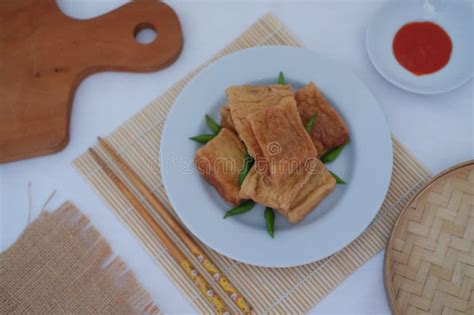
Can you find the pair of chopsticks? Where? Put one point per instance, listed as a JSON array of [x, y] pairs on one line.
[[203, 286]]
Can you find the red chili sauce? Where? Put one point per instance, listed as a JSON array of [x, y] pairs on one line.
[[422, 47]]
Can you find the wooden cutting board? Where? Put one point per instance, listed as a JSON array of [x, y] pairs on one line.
[[44, 55]]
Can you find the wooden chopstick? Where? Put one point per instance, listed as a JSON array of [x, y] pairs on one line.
[[208, 265], [203, 286]]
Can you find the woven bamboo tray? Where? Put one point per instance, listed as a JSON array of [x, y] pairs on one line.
[[429, 259]]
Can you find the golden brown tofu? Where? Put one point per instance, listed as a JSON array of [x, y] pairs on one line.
[[244, 100], [263, 190], [220, 161], [330, 130], [319, 185], [297, 196], [284, 142], [226, 118]]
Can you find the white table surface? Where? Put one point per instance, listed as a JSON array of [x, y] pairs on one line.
[[436, 129]]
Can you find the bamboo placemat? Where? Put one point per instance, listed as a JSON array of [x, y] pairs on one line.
[[429, 262], [272, 290]]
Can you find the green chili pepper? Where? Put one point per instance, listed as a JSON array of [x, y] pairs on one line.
[[202, 138], [211, 123], [281, 78], [244, 207], [270, 221], [338, 179], [333, 154], [248, 163], [310, 124]]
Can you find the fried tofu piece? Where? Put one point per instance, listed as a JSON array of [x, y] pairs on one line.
[[284, 142], [330, 130], [320, 184], [245, 100], [297, 196], [263, 190], [220, 161], [226, 118]]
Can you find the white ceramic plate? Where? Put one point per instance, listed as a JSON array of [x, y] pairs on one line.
[[454, 16], [365, 164]]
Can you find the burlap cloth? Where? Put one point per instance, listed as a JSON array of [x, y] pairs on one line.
[[62, 265]]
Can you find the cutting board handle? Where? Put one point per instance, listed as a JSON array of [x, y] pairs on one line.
[[112, 43]]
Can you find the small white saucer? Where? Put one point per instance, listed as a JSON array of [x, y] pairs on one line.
[[454, 16]]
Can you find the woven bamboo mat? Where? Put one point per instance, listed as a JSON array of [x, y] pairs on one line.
[[429, 262], [273, 290]]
